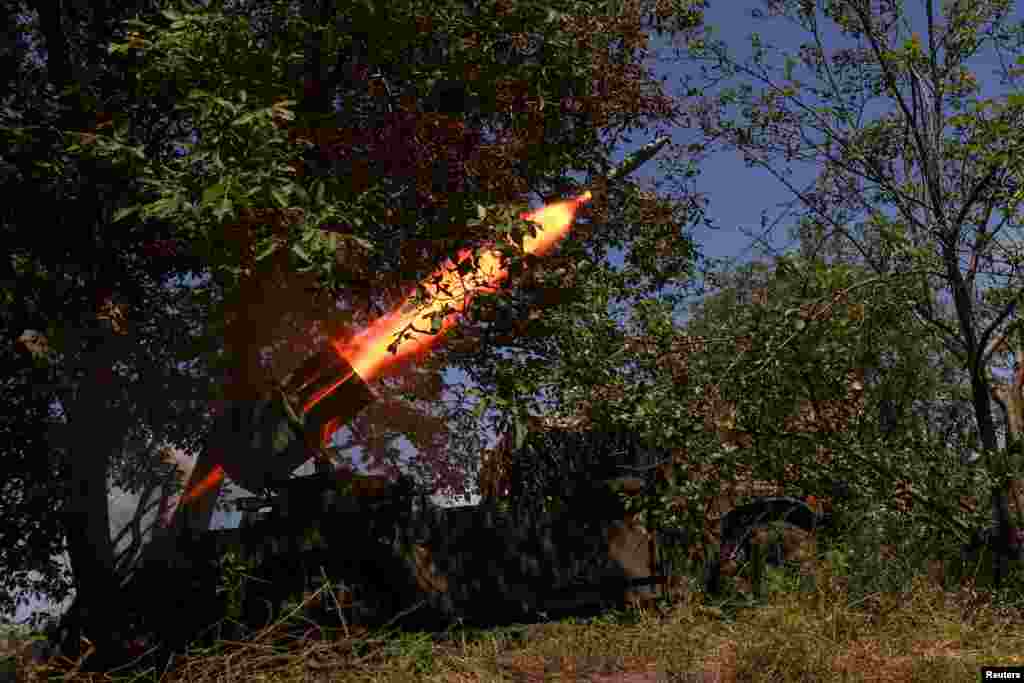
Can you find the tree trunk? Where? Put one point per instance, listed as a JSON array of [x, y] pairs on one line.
[[75, 37], [990, 446], [981, 398], [94, 439], [1008, 505]]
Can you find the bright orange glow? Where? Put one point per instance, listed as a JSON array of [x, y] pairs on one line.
[[368, 352], [320, 395], [328, 430], [208, 482]]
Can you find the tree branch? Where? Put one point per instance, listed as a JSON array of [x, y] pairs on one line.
[[1006, 312]]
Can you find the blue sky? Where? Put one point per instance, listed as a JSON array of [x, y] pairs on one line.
[[737, 195]]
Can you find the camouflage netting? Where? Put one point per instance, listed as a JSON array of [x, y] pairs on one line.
[[556, 462]]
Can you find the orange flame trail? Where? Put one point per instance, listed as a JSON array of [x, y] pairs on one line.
[[208, 482], [367, 352]]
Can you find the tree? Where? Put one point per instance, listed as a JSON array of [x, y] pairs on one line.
[[90, 314], [270, 194], [815, 326], [931, 173]]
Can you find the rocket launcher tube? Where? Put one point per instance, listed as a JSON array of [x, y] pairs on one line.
[[637, 159], [274, 437], [258, 444]]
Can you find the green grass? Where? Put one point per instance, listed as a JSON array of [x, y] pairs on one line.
[[820, 622]]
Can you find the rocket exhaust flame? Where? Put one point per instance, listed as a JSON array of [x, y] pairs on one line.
[[370, 352], [329, 389]]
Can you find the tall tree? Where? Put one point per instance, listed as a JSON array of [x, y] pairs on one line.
[[87, 308], [885, 104], [811, 327]]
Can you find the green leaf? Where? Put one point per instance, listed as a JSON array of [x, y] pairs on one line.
[[279, 198], [519, 434], [126, 211], [300, 252], [247, 118], [481, 407], [790, 64], [213, 193], [553, 15], [161, 208], [225, 208]]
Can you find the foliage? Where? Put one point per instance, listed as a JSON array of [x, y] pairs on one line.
[[31, 534], [912, 171], [235, 571], [252, 100], [91, 315]]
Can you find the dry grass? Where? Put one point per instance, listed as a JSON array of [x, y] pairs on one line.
[[920, 634]]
